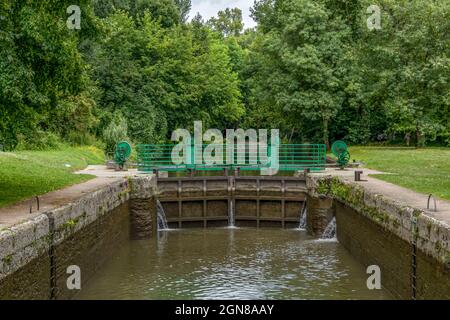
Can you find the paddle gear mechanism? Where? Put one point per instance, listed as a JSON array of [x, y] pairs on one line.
[[122, 154], [340, 150]]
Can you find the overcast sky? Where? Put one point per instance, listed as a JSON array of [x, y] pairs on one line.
[[209, 8]]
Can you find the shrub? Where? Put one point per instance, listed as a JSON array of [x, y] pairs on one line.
[[84, 139], [115, 132], [40, 140]]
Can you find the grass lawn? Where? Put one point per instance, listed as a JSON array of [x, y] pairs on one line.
[[27, 173], [424, 170]]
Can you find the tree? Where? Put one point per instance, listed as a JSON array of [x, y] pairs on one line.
[[166, 12], [184, 6], [311, 68], [198, 20], [302, 53], [42, 74], [118, 67], [116, 131], [104, 8], [162, 79], [228, 22], [409, 67]]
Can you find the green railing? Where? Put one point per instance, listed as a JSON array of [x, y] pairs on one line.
[[292, 157]]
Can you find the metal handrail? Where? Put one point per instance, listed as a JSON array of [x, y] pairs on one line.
[[292, 157]]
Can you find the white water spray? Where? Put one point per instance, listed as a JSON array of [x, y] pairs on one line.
[[303, 217], [231, 220], [330, 231], [161, 217]]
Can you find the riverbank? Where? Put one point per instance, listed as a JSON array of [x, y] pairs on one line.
[[425, 170], [24, 174]]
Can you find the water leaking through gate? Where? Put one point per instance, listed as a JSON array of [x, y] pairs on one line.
[[220, 201]]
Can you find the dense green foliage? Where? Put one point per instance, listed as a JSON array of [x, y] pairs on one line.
[[228, 22], [138, 69], [45, 89], [330, 77]]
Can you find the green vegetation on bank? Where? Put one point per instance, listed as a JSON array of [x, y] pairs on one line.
[[139, 69], [425, 170], [28, 173]]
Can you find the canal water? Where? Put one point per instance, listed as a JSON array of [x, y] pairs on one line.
[[231, 264]]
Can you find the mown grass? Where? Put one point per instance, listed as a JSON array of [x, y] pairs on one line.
[[424, 170], [27, 173]]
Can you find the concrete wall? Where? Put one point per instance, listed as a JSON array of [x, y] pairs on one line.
[[379, 231], [24, 260], [35, 254], [143, 217], [320, 213]]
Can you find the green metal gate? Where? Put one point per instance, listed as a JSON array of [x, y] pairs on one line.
[[292, 157]]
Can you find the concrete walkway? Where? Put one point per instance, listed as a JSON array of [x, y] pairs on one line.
[[103, 172], [20, 212], [395, 193]]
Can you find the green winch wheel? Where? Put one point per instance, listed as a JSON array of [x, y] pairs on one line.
[[122, 153], [340, 150]]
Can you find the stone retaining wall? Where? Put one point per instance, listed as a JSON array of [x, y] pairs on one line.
[[35, 254], [381, 231], [24, 260], [321, 213], [143, 212]]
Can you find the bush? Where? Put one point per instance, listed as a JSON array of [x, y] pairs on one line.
[[40, 140], [84, 139], [447, 140], [115, 132]]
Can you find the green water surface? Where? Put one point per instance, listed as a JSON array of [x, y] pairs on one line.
[[231, 264]]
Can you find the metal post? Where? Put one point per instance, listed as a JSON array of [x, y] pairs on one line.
[[31, 204], [415, 231], [428, 204], [306, 172]]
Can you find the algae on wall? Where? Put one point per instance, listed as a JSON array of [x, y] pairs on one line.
[[408, 223]]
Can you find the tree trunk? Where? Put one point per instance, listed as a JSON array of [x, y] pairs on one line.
[[325, 134], [408, 139], [419, 142]]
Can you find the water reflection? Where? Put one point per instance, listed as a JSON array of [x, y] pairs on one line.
[[231, 264]]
